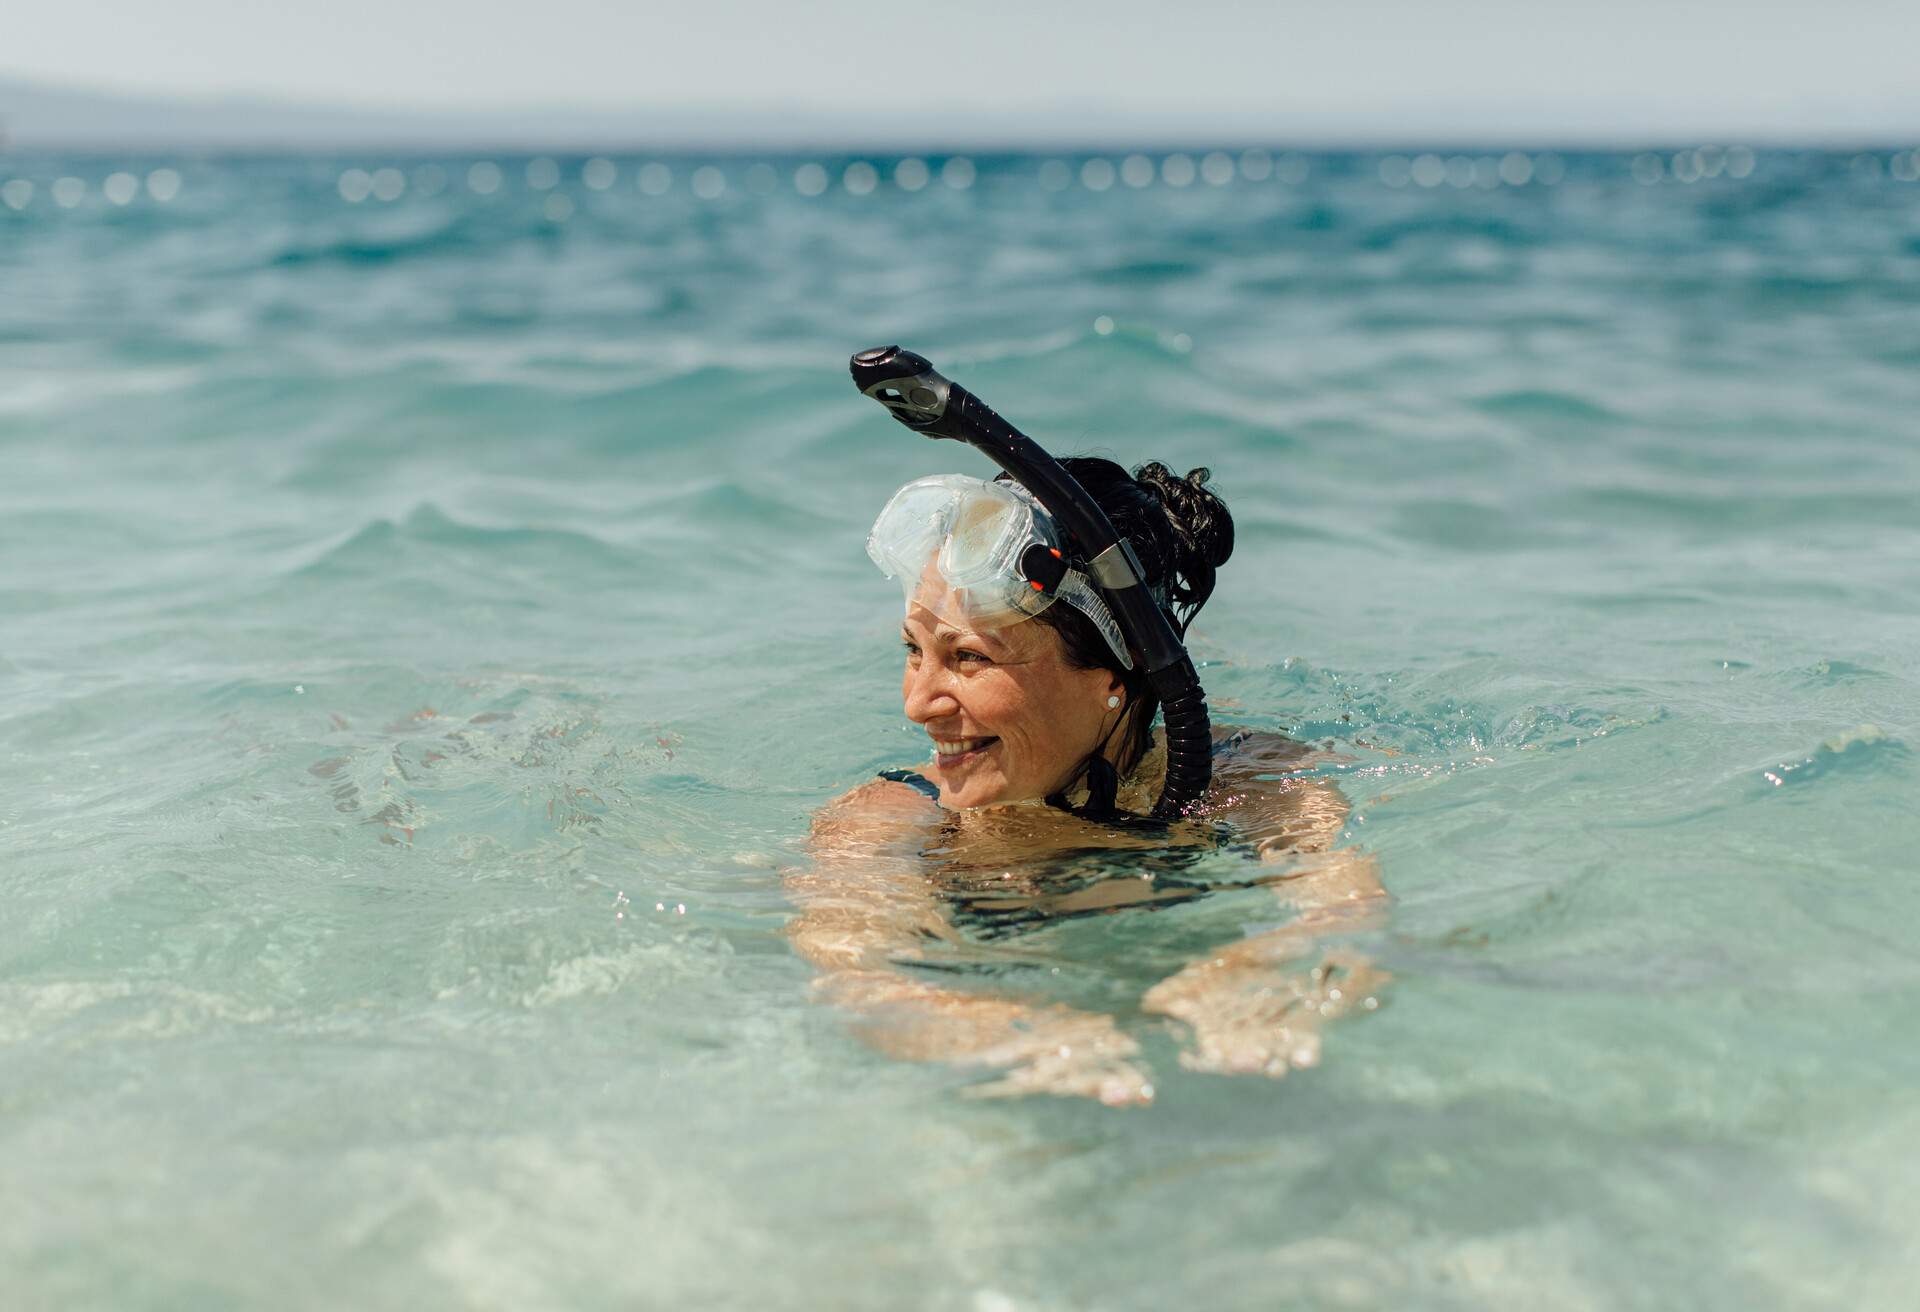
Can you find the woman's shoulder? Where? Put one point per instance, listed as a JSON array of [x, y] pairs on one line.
[[1239, 754], [877, 806], [1262, 748], [891, 791]]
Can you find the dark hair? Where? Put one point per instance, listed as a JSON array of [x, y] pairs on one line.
[[1182, 533]]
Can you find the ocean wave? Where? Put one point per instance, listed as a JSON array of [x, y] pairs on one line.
[[1538, 406], [1839, 673], [1447, 226], [361, 249], [118, 1010], [747, 511], [381, 546], [1464, 525], [1465, 710], [498, 965], [1864, 752], [501, 760], [1150, 271], [1702, 511]]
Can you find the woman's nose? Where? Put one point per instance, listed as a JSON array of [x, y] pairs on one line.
[[928, 692]]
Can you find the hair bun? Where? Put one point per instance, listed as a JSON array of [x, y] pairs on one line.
[[1202, 530]]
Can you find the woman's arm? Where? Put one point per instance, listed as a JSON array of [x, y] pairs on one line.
[[866, 908], [1250, 1006]]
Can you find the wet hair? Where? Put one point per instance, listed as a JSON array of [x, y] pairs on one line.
[[1182, 533]]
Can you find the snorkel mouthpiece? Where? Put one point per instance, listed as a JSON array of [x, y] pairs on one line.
[[916, 394], [906, 384]]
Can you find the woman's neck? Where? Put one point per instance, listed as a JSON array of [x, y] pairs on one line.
[[1138, 786]]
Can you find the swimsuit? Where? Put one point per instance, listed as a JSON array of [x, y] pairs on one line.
[[917, 782], [989, 912]]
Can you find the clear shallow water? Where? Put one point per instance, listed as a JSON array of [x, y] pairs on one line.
[[427, 625]]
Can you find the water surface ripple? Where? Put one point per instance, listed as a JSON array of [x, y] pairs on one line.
[[427, 625]]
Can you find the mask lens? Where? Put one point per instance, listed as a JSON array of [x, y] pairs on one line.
[[911, 527], [976, 545], [954, 543]]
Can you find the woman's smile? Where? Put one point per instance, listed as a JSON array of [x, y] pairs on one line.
[[950, 753]]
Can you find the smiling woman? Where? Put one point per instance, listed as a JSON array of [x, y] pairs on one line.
[[1041, 720], [1019, 711], [1008, 714]]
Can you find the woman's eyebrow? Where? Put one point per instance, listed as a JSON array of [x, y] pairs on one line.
[[948, 632], [942, 632]]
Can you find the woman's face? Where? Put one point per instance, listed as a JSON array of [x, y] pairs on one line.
[[1010, 719]]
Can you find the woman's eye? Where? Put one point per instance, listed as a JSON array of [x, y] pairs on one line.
[[964, 655]]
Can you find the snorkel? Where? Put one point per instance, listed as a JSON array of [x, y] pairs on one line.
[[916, 394]]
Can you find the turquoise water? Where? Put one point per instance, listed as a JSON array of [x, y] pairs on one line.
[[428, 623]]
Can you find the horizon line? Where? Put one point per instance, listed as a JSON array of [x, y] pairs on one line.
[[104, 119]]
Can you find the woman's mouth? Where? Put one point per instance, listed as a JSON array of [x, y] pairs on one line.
[[952, 751]]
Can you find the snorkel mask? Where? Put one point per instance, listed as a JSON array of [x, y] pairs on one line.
[[976, 544], [982, 553]]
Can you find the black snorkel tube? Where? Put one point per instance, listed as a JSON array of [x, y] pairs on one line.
[[919, 397]]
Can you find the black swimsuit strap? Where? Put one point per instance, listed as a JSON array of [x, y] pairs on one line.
[[917, 782]]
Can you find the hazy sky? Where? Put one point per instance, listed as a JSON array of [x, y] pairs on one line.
[[1845, 62]]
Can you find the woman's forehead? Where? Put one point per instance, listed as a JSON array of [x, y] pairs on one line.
[[944, 612], [1019, 637]]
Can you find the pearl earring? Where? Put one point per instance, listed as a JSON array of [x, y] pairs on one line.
[[1113, 703]]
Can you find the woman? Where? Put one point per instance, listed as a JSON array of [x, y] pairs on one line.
[[1042, 729]]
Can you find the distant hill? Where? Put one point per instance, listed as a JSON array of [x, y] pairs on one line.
[[34, 116], [39, 116]]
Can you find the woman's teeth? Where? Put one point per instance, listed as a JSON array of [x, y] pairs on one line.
[[959, 746]]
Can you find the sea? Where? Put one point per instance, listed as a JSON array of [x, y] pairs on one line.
[[433, 606]]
